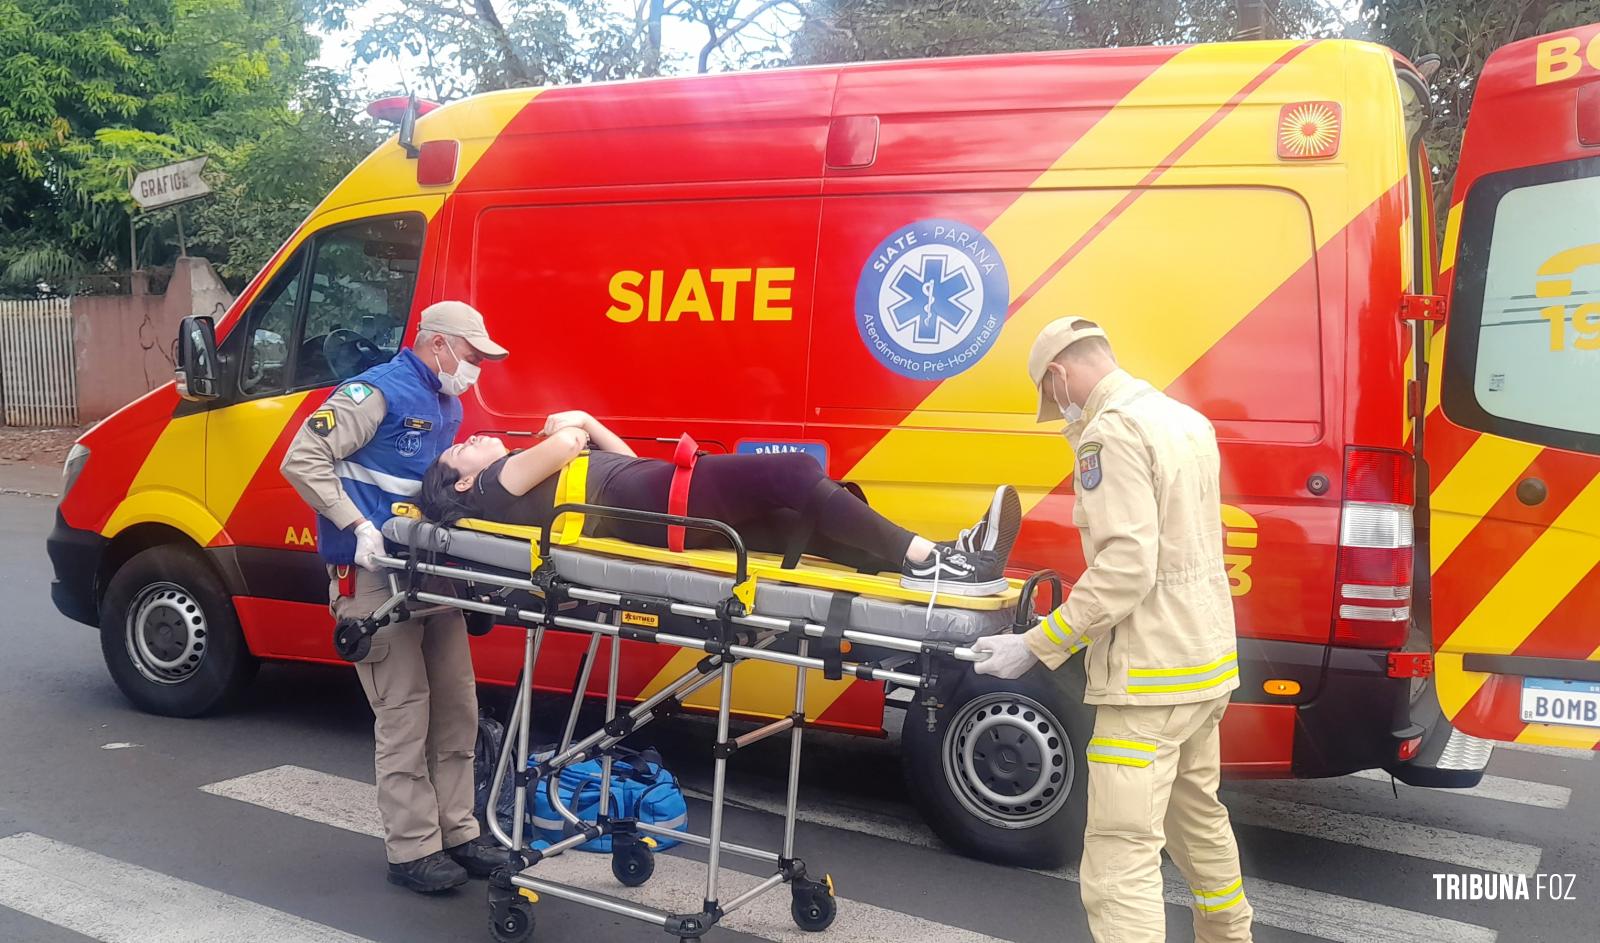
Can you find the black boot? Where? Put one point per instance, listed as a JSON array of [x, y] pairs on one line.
[[428, 875], [480, 856]]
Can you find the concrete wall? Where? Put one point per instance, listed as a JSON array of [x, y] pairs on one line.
[[124, 342]]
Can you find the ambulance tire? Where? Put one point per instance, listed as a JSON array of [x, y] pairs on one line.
[[1046, 832], [170, 637]]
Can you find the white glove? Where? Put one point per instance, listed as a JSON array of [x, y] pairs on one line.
[[562, 420], [369, 546], [1009, 656]]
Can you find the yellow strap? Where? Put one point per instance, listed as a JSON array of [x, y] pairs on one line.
[[571, 488]]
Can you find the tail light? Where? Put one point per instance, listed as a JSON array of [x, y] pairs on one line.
[[1373, 580]]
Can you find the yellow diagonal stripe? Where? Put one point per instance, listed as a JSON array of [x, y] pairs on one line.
[[1452, 232], [1546, 735], [760, 688], [1490, 466], [1159, 323], [238, 440], [1567, 550]]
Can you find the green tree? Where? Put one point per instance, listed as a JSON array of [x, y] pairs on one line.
[[93, 90], [856, 30]]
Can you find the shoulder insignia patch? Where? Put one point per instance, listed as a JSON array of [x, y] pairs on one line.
[[322, 422], [419, 424], [1089, 466], [356, 391]]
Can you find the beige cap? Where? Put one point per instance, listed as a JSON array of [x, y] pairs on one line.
[[459, 319], [1055, 337]]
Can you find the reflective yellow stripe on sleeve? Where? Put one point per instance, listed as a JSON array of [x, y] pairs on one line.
[[1213, 901]]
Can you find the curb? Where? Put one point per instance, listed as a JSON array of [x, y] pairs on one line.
[[20, 492]]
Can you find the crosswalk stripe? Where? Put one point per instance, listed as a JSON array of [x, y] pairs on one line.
[[1499, 788], [1301, 910], [677, 885], [116, 902], [1369, 831], [1566, 753]]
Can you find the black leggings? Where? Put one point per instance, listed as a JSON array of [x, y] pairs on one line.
[[771, 500]]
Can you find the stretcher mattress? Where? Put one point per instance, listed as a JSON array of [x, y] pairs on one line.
[[612, 566]]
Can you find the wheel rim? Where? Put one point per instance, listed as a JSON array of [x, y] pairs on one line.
[[1008, 760], [166, 633]]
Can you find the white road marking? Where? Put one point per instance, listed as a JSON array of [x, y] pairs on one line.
[[678, 884], [118, 745], [117, 902], [1313, 913], [1499, 788], [1566, 753], [1369, 831]]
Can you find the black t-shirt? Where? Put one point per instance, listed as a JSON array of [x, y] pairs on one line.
[[492, 502]]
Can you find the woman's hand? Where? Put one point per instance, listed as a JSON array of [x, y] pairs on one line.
[[572, 418], [577, 435]]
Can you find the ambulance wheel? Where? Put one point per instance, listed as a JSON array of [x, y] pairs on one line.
[[511, 922], [633, 864], [169, 634], [1001, 775]]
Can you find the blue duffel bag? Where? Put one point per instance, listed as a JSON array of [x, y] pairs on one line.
[[641, 788]]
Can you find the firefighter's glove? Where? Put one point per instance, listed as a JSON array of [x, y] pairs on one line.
[[369, 546], [1009, 656]]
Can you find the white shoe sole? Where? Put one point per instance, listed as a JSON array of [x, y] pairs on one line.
[[954, 588]]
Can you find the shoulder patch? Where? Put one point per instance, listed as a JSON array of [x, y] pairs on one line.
[[322, 422], [356, 391], [1089, 465]]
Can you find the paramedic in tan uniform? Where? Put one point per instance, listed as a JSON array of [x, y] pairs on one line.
[[1154, 610], [362, 450]]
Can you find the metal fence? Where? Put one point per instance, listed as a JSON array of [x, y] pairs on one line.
[[38, 365]]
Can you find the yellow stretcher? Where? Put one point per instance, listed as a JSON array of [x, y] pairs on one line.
[[733, 606]]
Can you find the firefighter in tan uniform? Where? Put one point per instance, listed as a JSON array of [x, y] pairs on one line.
[[360, 452], [1154, 611]]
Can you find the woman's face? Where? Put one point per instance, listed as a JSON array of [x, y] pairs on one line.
[[472, 456]]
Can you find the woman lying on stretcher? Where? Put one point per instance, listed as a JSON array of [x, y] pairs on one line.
[[771, 500]]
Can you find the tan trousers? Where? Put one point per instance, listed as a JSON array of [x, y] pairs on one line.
[[419, 681], [1153, 774]]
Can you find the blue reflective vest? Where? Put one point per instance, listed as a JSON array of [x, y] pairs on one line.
[[418, 425]]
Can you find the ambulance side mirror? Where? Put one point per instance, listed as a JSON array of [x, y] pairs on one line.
[[197, 359]]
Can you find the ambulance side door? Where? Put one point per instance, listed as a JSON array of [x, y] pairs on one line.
[[1515, 446], [337, 305]]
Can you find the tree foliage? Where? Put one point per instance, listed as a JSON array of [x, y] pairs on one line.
[[92, 91], [1462, 33]]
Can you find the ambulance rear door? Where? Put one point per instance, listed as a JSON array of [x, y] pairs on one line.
[[1513, 435]]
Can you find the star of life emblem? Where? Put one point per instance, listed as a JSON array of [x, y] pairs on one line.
[[932, 299]]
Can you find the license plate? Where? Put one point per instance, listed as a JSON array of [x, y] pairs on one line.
[[1548, 701]]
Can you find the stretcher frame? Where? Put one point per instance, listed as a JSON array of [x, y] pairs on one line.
[[735, 633]]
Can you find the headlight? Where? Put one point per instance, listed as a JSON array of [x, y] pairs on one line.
[[76, 457]]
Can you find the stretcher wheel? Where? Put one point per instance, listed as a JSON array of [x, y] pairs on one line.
[[350, 641], [813, 905], [633, 863], [511, 922]]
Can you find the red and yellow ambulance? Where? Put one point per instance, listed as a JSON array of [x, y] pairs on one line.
[[852, 261]]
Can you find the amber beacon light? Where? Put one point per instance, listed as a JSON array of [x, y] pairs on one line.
[[1308, 131]]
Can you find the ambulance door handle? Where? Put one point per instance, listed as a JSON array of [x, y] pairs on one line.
[[1532, 491]]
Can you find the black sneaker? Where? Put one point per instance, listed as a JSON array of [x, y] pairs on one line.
[[996, 531], [480, 856], [428, 875], [949, 569]]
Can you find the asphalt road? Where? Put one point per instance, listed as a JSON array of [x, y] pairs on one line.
[[125, 828]]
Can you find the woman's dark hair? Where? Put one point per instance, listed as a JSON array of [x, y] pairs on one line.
[[440, 501]]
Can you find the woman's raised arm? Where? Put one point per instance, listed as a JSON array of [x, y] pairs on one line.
[[523, 471]]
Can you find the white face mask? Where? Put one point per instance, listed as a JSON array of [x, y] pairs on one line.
[[461, 379], [1071, 411]]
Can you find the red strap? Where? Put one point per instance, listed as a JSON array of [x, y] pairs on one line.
[[347, 581], [684, 457]]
